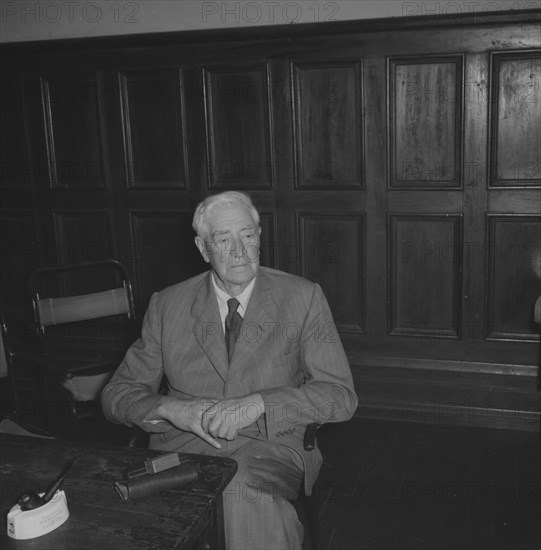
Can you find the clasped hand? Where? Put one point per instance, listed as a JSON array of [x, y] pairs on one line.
[[212, 419]]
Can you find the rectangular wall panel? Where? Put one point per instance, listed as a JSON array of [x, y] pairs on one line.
[[332, 253], [515, 144], [425, 122], [153, 124], [15, 169], [514, 272], [424, 273], [239, 151], [165, 251], [83, 236], [328, 125], [73, 130]]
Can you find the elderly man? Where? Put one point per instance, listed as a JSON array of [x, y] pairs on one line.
[[251, 357]]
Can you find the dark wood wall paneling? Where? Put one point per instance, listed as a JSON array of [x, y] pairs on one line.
[[239, 146], [154, 128], [396, 164], [328, 145], [513, 233]]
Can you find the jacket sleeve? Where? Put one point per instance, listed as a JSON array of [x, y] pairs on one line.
[[328, 393], [133, 392]]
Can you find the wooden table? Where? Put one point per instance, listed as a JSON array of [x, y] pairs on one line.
[[176, 519]]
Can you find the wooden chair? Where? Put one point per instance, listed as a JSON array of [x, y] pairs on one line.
[[84, 317]]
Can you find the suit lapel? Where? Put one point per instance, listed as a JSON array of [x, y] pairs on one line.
[[259, 322], [208, 327]]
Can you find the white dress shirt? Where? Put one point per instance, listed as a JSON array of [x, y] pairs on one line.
[[243, 298]]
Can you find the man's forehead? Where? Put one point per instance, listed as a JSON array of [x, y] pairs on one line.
[[224, 230], [224, 217]]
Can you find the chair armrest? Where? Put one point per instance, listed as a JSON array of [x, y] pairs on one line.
[[310, 436], [67, 367]]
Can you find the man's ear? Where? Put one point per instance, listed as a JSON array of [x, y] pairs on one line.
[[200, 243]]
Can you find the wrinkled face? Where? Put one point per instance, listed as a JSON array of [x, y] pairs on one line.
[[231, 246]]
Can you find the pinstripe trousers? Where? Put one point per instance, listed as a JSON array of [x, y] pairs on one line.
[[258, 514]]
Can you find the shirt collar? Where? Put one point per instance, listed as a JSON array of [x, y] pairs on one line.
[[243, 297]]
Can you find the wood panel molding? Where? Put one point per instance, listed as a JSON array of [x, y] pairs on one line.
[[75, 159], [83, 236], [515, 120], [240, 136], [513, 275], [328, 124], [13, 135], [331, 248], [165, 251], [424, 275], [154, 128], [316, 122], [425, 118]]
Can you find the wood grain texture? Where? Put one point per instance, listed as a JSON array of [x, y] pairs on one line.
[[174, 519], [328, 125], [75, 157], [516, 120], [514, 269], [13, 134], [425, 266], [238, 126], [164, 250], [406, 117], [425, 122], [83, 236], [333, 254], [153, 123]]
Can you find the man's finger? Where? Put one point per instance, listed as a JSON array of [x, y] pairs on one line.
[[231, 433], [206, 417], [223, 430], [206, 437], [213, 427]]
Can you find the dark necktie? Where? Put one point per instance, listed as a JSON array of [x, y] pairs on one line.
[[233, 321]]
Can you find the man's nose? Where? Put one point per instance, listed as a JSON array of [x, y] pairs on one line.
[[237, 250]]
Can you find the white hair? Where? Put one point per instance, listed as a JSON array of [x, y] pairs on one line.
[[236, 198]]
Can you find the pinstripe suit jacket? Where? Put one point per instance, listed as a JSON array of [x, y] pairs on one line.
[[288, 351]]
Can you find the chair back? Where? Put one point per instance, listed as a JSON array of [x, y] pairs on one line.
[[55, 311], [72, 307]]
